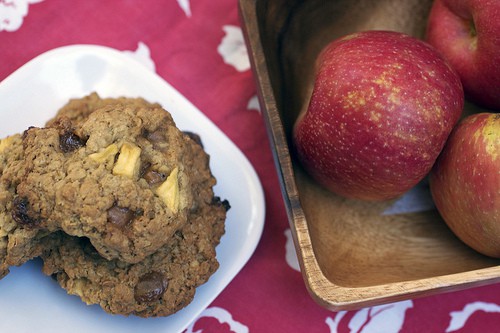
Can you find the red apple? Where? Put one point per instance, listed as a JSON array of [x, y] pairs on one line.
[[467, 33], [465, 182], [382, 106]]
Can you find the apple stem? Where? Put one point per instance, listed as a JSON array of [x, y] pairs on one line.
[[472, 29]]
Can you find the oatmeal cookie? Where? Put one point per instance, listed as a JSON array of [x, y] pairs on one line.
[[163, 282], [17, 244], [118, 175]]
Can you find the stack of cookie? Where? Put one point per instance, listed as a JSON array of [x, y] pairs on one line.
[[117, 201]]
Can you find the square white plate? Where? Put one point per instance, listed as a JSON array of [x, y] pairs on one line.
[[33, 302]]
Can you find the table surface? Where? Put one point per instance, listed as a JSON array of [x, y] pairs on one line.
[[198, 47]]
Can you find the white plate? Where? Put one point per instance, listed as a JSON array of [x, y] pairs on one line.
[[32, 302]]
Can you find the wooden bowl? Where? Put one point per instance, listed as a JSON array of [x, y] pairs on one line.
[[350, 254]]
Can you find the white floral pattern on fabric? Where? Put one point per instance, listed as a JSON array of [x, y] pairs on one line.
[[233, 49], [387, 318], [143, 55], [253, 104], [333, 323], [185, 6], [223, 316], [459, 318], [12, 13]]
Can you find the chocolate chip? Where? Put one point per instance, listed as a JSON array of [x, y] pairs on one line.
[[158, 138], [150, 287], [120, 216], [20, 212], [154, 177], [69, 142]]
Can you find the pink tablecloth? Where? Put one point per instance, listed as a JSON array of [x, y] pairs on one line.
[[198, 47]]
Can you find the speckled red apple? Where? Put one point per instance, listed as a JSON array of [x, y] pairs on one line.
[[465, 182], [382, 107], [467, 33]]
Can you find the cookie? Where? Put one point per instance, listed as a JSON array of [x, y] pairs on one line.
[[17, 244], [117, 176], [162, 283]]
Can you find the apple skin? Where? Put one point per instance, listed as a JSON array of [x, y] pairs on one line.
[[465, 182], [467, 33], [382, 106]]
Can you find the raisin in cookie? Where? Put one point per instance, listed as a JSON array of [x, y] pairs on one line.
[[118, 176], [163, 282]]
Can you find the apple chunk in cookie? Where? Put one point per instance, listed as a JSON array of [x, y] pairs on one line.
[[128, 161]]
